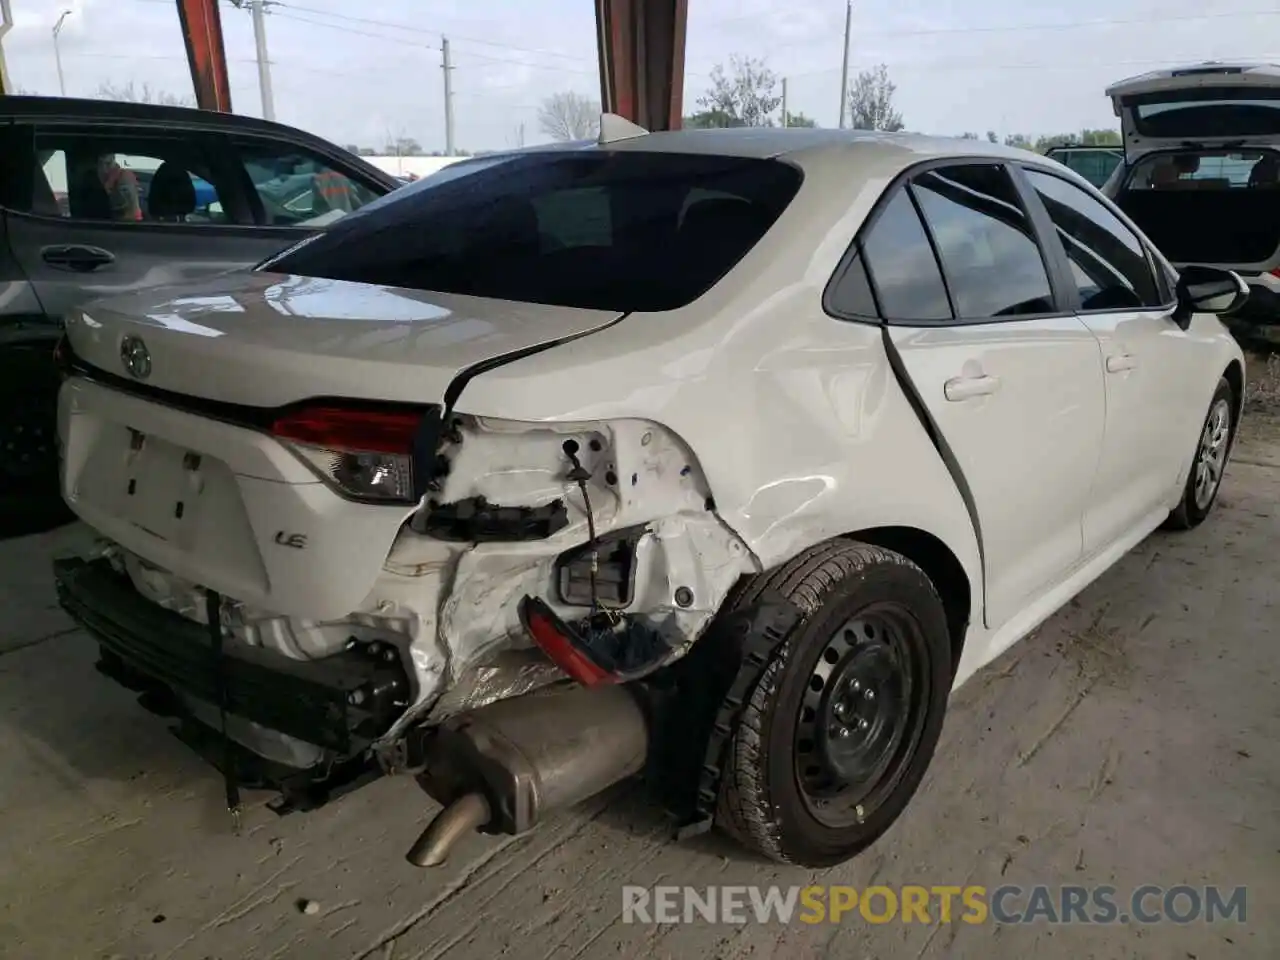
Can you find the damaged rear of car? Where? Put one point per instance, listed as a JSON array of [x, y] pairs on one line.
[[324, 561]]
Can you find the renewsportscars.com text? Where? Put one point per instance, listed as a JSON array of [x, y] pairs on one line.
[[1008, 904]]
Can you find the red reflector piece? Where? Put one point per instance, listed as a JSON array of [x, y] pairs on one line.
[[1274, 272], [554, 637], [351, 428]]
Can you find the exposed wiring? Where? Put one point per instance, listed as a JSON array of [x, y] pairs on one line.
[[580, 475]]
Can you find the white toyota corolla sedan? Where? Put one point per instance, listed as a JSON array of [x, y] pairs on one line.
[[720, 456]]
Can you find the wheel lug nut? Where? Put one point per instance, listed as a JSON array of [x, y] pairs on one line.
[[856, 685], [862, 725], [842, 733], [869, 694]]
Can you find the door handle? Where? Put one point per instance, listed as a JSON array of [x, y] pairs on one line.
[[1120, 362], [965, 388], [73, 256]]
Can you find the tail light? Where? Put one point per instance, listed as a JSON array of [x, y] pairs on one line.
[[563, 645], [365, 454]]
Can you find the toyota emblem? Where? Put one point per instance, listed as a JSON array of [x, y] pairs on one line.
[[136, 357]]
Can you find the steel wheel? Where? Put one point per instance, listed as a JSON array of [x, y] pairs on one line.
[[862, 715], [1211, 457]]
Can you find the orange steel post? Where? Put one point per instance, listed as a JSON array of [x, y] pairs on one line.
[[641, 49], [202, 34]]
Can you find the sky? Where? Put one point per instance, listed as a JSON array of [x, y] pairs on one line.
[[367, 73]]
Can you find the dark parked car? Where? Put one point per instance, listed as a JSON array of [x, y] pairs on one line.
[[99, 198]]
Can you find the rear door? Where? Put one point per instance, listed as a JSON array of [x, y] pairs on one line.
[[1009, 377], [1148, 361], [92, 223]]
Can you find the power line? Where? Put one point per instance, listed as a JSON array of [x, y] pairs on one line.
[[421, 45], [983, 65], [360, 33], [1006, 28], [1078, 25], [436, 33]]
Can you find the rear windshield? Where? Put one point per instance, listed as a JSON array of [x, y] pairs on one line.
[[1211, 113], [1212, 170], [619, 231]]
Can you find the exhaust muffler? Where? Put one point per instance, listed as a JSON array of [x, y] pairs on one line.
[[503, 767]]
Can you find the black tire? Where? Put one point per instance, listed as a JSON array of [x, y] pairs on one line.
[[1213, 449], [766, 800], [30, 501]]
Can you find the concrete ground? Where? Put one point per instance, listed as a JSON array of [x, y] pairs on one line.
[[1134, 739]]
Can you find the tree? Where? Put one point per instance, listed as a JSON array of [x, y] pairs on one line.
[[1020, 140], [404, 147], [968, 136], [1100, 138], [569, 116], [871, 101], [745, 94], [800, 120], [991, 137], [711, 120], [146, 94]]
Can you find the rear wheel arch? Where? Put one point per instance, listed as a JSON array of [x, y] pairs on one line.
[[940, 565], [1234, 375]]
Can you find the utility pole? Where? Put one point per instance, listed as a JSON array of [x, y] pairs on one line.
[[258, 9], [57, 54], [447, 67], [784, 101], [844, 64]]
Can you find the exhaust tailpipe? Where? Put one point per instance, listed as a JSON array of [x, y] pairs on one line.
[[503, 767], [467, 813]]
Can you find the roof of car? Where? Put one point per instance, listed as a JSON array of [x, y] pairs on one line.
[[786, 141], [82, 107], [123, 111]]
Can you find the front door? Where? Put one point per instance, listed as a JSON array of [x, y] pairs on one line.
[[1147, 362], [1011, 382]]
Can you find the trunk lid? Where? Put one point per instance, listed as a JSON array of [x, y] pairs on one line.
[[1206, 105], [266, 340], [195, 484]]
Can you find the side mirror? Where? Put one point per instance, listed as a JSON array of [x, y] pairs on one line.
[[1208, 290]]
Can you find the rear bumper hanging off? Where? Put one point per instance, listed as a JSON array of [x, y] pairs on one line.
[[342, 702]]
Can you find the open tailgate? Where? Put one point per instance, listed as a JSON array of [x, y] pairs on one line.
[[1208, 105]]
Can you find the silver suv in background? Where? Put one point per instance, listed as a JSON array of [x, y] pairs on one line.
[[100, 198], [1201, 174]]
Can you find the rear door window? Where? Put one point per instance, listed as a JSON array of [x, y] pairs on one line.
[[1108, 260], [625, 231], [985, 241], [904, 271], [123, 177]]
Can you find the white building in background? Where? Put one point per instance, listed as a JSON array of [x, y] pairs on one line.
[[417, 166]]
